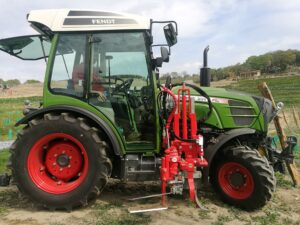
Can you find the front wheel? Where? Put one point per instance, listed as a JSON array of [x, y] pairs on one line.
[[60, 162], [243, 178]]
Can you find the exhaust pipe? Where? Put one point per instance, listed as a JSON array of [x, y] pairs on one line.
[[205, 71]]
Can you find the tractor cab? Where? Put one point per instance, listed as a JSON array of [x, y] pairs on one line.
[[101, 61]]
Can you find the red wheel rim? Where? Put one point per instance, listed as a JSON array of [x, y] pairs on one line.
[[57, 163], [236, 180]]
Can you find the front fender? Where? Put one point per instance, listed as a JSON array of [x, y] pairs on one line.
[[211, 150]]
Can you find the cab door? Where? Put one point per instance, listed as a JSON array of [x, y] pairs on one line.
[[121, 86]]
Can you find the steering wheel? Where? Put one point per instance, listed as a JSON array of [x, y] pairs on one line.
[[124, 86]]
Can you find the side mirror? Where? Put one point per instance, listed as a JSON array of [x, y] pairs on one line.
[[164, 54], [164, 57], [170, 34]]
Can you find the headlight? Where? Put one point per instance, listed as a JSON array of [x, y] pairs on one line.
[[266, 108]]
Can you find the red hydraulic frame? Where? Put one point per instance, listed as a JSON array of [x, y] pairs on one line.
[[185, 152]]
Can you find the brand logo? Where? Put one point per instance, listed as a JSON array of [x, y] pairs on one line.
[[212, 99], [103, 21]]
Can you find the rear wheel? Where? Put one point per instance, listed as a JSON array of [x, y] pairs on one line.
[[243, 178], [59, 161]]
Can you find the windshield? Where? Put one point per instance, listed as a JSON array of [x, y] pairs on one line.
[[31, 47]]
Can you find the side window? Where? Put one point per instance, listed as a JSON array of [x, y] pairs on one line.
[[69, 65]]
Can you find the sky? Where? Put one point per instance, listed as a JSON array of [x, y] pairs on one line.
[[234, 29]]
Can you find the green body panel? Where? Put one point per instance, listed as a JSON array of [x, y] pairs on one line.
[[222, 117]]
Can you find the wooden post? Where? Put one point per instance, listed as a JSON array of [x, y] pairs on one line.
[[292, 168], [285, 120], [295, 117]]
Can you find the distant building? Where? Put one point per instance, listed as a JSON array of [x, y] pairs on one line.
[[250, 74]]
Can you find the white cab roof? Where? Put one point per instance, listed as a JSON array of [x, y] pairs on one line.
[[59, 20]]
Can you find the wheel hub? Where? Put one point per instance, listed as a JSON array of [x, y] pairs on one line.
[[63, 160], [57, 163], [237, 179]]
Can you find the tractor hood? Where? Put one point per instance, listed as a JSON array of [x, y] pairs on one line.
[[221, 95], [233, 109]]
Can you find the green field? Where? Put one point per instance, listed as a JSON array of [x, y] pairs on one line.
[[11, 110], [284, 89], [4, 155]]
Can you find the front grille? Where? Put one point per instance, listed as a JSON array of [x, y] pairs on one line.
[[241, 112]]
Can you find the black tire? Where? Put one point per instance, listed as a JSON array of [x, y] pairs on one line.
[[253, 183], [97, 171]]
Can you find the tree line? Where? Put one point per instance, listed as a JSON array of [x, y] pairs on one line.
[[269, 63], [16, 82]]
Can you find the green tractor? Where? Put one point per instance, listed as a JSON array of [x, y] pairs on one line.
[[104, 115]]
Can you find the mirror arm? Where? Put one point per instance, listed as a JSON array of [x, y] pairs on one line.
[[170, 21], [164, 45]]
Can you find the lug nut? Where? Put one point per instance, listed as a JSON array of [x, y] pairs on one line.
[[79, 174], [63, 152], [54, 164], [61, 169], [55, 155], [59, 183], [69, 166], [42, 169]]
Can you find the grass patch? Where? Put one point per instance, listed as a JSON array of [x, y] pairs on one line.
[[126, 219], [115, 214], [222, 219], [3, 210], [4, 155], [270, 217], [282, 181]]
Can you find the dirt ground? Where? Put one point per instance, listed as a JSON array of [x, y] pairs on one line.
[[23, 90], [113, 205]]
